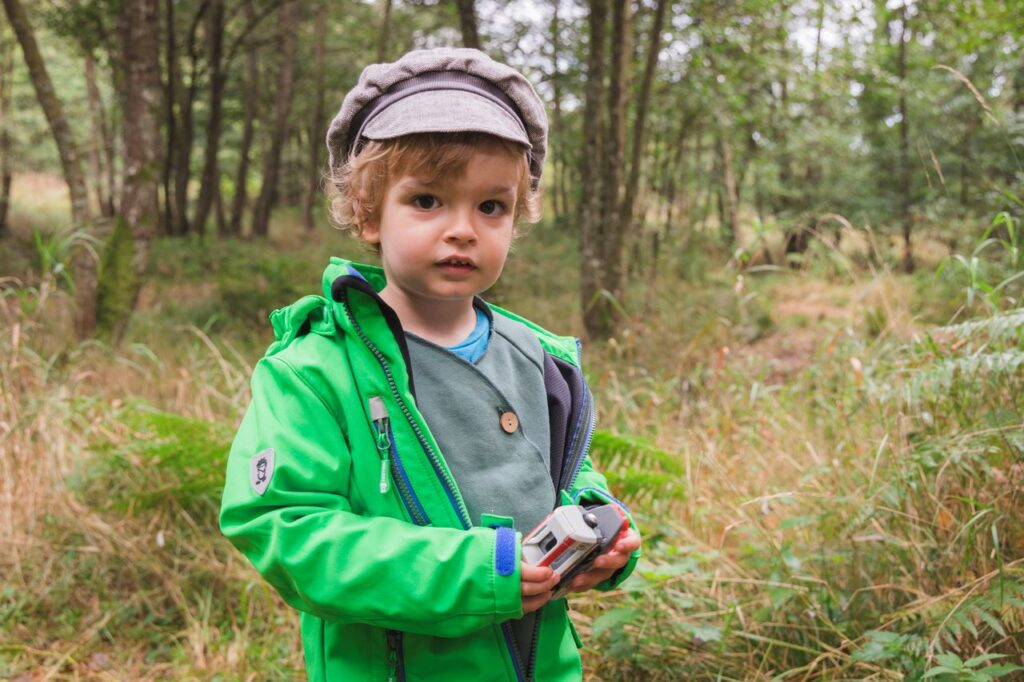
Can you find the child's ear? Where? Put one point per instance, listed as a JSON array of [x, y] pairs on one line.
[[369, 226], [369, 232]]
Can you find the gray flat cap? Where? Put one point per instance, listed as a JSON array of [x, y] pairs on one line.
[[442, 90]]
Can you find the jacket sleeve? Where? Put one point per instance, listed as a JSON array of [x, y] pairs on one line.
[[591, 487], [303, 537]]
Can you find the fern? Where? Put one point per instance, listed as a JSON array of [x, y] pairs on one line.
[[980, 621], [943, 376], [998, 327], [636, 469], [166, 459]]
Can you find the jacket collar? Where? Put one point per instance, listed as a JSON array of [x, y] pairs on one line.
[[342, 275]]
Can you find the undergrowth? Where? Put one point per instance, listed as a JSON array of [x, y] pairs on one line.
[[828, 488]]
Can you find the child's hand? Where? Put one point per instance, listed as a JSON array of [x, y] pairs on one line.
[[536, 585], [605, 565]]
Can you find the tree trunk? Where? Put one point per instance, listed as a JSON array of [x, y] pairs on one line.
[[653, 50], [126, 254], [6, 88], [559, 198], [186, 129], [605, 314], [1018, 86], [210, 179], [279, 134], [907, 262], [53, 109], [100, 156], [252, 99], [591, 227], [182, 158], [729, 198], [171, 121], [83, 266], [467, 21], [384, 37], [316, 126]]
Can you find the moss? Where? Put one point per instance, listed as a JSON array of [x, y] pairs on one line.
[[118, 283]]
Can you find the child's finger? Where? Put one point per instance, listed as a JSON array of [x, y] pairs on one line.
[[531, 604], [535, 574], [630, 542], [590, 579], [528, 589], [613, 560]]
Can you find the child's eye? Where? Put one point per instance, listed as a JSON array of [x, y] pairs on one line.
[[493, 207], [425, 201]]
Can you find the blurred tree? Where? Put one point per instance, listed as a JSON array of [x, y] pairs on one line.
[[54, 110], [287, 26], [209, 181], [126, 252], [101, 146], [6, 78], [384, 41], [468, 23], [317, 123], [592, 179], [250, 109], [83, 265]]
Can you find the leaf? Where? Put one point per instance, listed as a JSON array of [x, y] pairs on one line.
[[1000, 669], [950, 660], [704, 633], [992, 622], [984, 658], [940, 670], [614, 618]]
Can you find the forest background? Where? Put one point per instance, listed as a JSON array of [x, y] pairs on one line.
[[788, 232]]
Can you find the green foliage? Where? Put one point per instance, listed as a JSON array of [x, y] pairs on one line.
[[995, 280], [251, 289], [54, 250], [950, 667], [118, 283], [821, 591], [636, 469], [168, 461]]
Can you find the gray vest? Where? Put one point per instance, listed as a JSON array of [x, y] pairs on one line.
[[499, 469]]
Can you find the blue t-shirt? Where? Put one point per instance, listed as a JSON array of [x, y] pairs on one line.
[[473, 346]]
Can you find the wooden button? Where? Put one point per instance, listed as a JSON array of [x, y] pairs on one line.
[[509, 421]]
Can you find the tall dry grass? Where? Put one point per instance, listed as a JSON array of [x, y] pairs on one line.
[[827, 484]]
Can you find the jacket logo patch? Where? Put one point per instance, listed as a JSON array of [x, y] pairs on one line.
[[261, 468]]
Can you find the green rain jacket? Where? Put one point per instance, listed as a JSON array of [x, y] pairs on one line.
[[346, 506]]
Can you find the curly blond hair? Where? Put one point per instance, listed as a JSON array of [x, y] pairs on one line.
[[356, 189]]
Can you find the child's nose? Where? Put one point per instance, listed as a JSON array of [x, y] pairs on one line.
[[461, 227]]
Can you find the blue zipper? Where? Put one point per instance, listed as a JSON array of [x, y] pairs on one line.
[[506, 630], [412, 503], [592, 422]]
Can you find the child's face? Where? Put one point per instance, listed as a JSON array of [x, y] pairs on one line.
[[447, 239]]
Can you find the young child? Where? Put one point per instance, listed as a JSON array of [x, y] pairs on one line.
[[403, 435]]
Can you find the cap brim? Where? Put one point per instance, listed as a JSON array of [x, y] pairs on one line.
[[445, 111]]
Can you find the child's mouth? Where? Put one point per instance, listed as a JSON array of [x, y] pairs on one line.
[[457, 265]]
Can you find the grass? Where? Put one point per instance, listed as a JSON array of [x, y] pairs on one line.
[[826, 476]]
